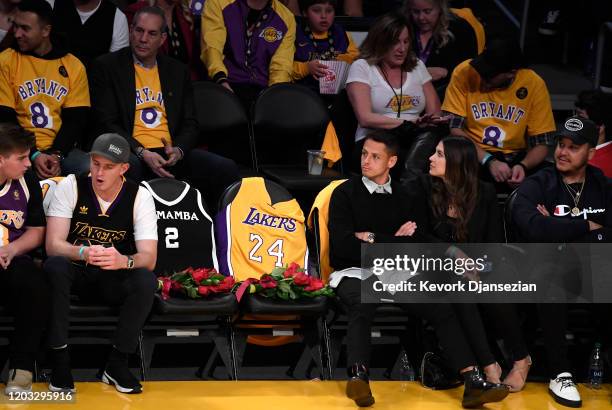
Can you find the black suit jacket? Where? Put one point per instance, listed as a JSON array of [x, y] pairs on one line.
[[112, 82]]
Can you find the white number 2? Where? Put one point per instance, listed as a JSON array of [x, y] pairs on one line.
[[275, 250], [171, 235]]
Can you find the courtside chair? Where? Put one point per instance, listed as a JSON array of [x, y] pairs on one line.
[[288, 120], [391, 326], [260, 315], [180, 320], [223, 123]]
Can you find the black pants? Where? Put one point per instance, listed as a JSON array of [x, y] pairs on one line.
[[471, 322], [360, 316], [553, 320], [210, 173], [131, 290], [26, 296], [504, 320]]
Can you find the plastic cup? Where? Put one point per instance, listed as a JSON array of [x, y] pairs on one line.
[[315, 161]]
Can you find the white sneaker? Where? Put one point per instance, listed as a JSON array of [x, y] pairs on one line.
[[19, 381], [564, 391]]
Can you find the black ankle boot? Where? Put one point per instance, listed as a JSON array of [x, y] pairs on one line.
[[358, 386], [479, 391]]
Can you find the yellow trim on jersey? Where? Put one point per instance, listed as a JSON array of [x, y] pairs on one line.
[[38, 90], [321, 204], [500, 120], [150, 121]]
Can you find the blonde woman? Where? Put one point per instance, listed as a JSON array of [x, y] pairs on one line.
[[440, 39]]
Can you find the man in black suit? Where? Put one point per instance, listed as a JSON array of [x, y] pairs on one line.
[[147, 98]]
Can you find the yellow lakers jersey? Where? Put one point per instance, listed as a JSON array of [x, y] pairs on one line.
[[500, 120], [48, 187], [321, 204], [150, 122], [38, 90], [255, 235]]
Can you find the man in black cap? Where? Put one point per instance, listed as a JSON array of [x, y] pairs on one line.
[[571, 202], [102, 244], [504, 108]]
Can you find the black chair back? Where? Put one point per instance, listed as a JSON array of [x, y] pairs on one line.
[[223, 122], [288, 119]]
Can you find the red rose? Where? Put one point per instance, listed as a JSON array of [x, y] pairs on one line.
[[225, 285], [314, 285], [166, 284], [301, 279], [267, 282], [291, 270], [199, 275], [203, 290]]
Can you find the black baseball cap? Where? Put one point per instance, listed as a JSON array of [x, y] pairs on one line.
[[112, 146], [500, 55], [580, 130]]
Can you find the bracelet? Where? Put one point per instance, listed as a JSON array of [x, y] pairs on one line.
[[523, 166], [34, 155], [82, 252], [485, 159], [140, 152], [489, 159]]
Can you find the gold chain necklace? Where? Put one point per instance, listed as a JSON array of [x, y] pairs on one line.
[[575, 196]]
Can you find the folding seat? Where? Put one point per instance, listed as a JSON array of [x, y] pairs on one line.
[[260, 226], [186, 239]]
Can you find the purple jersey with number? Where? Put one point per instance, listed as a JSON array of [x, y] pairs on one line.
[[14, 197]]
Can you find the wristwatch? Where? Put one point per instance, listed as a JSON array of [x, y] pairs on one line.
[[130, 262], [371, 237]]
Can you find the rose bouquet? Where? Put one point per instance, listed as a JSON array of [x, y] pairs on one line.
[[194, 283], [285, 283]]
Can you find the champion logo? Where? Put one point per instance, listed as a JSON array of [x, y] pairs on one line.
[[573, 124], [564, 210]]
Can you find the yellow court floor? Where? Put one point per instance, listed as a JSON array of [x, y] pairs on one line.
[[297, 395]]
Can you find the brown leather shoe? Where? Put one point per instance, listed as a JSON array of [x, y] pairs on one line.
[[358, 386]]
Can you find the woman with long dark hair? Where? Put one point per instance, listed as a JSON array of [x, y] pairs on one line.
[[464, 209]]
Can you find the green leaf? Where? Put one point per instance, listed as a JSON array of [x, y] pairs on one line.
[[284, 286], [192, 292], [292, 294], [278, 271]]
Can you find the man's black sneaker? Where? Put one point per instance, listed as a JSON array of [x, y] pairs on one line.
[[61, 375]]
